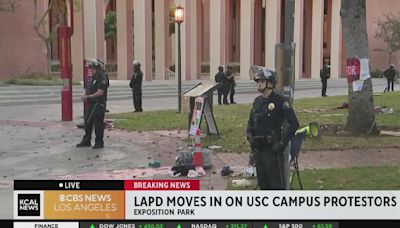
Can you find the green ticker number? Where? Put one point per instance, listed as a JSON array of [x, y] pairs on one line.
[[153, 225], [322, 226]]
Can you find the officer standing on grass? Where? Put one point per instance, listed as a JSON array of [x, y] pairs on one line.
[[265, 131], [222, 80], [94, 115]]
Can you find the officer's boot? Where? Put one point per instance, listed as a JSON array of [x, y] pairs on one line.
[[84, 143]]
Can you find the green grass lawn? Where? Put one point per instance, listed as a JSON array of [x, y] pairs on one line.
[[36, 79], [356, 178], [232, 121]]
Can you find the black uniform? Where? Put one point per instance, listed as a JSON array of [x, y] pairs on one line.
[[96, 109], [390, 74], [324, 75], [136, 85], [221, 78], [231, 85], [107, 84], [265, 133]]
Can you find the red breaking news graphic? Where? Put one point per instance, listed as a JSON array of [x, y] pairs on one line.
[[162, 185]]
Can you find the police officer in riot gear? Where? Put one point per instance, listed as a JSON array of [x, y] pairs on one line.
[[136, 85], [104, 72], [221, 78], [94, 115], [265, 131]]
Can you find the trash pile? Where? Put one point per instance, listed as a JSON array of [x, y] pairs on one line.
[[192, 161]]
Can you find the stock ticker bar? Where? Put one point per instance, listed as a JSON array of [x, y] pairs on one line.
[[198, 224]]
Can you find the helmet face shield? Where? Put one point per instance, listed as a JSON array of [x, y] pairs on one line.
[[136, 63], [266, 74], [95, 64]]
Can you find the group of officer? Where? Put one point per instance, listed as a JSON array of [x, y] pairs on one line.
[[227, 83], [96, 96], [265, 127]]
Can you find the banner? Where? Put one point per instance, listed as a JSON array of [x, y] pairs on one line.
[[256, 205], [182, 200]]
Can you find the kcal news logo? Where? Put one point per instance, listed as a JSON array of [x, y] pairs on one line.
[[28, 204]]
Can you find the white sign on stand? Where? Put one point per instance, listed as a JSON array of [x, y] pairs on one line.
[[197, 115]]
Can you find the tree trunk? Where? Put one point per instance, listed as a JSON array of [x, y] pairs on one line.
[[361, 115], [48, 49]]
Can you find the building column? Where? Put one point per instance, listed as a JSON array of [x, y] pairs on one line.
[[246, 38], [336, 40], [195, 41], [161, 14], [272, 30], [257, 33], [317, 38], [124, 39], [143, 36], [93, 23], [206, 30], [217, 36], [77, 46], [298, 37]]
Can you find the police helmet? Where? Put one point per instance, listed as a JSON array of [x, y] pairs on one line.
[[265, 74], [102, 64], [392, 65], [94, 63], [136, 63], [220, 68]]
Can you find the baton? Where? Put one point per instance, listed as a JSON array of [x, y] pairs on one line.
[[91, 113]]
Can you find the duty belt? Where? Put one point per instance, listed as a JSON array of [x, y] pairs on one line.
[[263, 139]]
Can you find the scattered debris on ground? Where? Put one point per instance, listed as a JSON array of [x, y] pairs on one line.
[[344, 105], [383, 110], [214, 147], [390, 133], [312, 110], [241, 183]]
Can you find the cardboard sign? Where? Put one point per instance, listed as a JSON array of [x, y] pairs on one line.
[[364, 69], [352, 69], [197, 115]]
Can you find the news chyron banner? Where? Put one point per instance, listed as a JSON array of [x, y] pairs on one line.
[[182, 200], [82, 200]]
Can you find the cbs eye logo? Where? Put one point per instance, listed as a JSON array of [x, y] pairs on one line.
[[28, 205], [61, 198]]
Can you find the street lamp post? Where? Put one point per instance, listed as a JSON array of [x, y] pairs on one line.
[[179, 20]]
